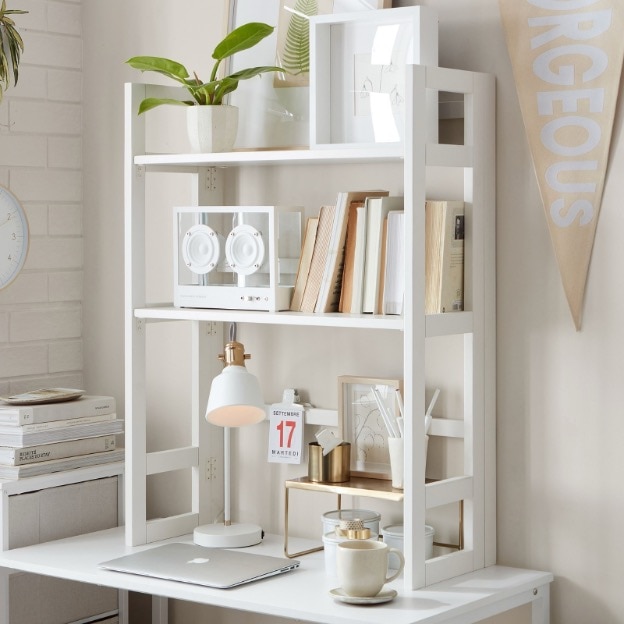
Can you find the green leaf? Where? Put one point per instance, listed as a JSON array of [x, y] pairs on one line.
[[242, 38], [245, 74], [149, 103], [167, 67], [225, 86], [15, 47], [296, 57]]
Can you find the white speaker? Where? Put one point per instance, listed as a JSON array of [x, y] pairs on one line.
[[201, 248], [236, 257], [244, 249]]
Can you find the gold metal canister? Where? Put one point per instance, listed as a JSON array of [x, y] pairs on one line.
[[335, 467]]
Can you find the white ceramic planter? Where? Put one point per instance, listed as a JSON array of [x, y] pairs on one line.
[[212, 128]]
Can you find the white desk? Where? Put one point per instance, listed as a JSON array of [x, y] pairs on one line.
[[301, 594]]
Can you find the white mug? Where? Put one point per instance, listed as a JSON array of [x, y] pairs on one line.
[[362, 566]]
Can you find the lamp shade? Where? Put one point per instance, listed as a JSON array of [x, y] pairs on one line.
[[235, 398]]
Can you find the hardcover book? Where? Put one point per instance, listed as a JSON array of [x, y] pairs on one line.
[[305, 260], [444, 256], [57, 465], [49, 425], [57, 450], [22, 436], [319, 257], [45, 412], [354, 223], [394, 280], [377, 209]]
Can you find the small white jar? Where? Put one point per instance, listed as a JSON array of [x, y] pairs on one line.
[[332, 519], [393, 536]]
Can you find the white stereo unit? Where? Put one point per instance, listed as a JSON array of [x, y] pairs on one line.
[[236, 257]]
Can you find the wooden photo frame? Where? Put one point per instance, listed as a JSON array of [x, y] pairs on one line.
[[358, 73], [274, 109], [362, 425]]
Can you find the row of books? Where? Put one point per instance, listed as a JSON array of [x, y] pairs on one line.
[[353, 256], [52, 437]]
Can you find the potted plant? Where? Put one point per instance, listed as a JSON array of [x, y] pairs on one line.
[[211, 124], [11, 48]]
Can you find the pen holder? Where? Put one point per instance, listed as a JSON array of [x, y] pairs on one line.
[[335, 467], [395, 448]]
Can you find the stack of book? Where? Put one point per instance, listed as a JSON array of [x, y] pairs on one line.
[[341, 254], [51, 437], [353, 256]]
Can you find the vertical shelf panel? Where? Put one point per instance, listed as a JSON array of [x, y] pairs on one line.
[[414, 326], [134, 247]]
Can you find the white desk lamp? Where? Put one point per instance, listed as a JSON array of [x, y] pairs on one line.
[[235, 401]]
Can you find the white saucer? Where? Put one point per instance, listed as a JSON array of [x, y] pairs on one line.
[[383, 596]]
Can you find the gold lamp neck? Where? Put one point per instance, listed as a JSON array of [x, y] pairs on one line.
[[234, 354]]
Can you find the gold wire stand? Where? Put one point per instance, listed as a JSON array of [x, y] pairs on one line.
[[357, 486]]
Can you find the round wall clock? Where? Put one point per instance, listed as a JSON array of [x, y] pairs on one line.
[[13, 237]]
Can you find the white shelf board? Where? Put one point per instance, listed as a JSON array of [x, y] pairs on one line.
[[436, 324], [437, 155], [361, 321], [449, 324], [302, 594], [241, 158]]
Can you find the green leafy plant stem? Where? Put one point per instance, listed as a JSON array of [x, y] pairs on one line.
[[213, 92]]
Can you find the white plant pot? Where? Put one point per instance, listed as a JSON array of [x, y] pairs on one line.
[[212, 128]]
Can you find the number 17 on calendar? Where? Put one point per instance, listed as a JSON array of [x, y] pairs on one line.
[[286, 434]]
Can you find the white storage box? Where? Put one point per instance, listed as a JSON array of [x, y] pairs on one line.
[[50, 513]]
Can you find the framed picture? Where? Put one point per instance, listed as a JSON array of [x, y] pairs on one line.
[[363, 424], [358, 73], [274, 108]]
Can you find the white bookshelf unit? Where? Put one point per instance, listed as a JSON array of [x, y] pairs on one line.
[[461, 587], [475, 488]]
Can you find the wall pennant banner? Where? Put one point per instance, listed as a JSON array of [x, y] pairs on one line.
[[567, 60]]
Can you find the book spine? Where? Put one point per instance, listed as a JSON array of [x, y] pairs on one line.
[[57, 424], [60, 450], [57, 465], [17, 438], [16, 416], [64, 410]]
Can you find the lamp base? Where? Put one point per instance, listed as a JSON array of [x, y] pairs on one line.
[[232, 536]]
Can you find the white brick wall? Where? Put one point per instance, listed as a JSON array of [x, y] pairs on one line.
[[41, 163]]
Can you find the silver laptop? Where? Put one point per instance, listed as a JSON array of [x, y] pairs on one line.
[[210, 567]]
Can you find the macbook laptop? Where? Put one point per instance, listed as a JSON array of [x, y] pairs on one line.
[[210, 567]]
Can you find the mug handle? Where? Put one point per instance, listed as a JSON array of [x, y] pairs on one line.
[[399, 554]]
